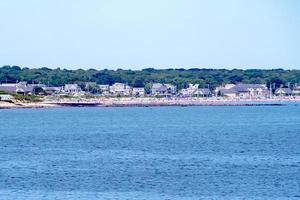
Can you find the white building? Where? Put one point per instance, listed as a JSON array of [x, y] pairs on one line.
[[296, 91], [5, 97], [103, 87], [72, 88], [120, 89], [104, 90], [190, 91], [194, 90], [138, 91]]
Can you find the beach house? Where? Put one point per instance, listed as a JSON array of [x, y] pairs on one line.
[[194, 90], [190, 91], [138, 91], [159, 89], [71, 88], [120, 89], [283, 92], [5, 97], [104, 89], [203, 92], [296, 91], [51, 90], [243, 91], [20, 88]]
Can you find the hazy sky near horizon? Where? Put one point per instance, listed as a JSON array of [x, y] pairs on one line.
[[137, 34]]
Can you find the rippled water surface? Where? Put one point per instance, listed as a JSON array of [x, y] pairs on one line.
[[150, 153]]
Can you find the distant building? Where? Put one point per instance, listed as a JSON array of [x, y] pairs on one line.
[[296, 91], [138, 91], [203, 92], [190, 91], [5, 97], [52, 90], [159, 89], [283, 92], [227, 92], [21, 88], [120, 89], [243, 91], [72, 88], [194, 90], [171, 89], [38, 85], [103, 87]]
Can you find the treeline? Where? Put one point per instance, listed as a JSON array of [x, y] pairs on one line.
[[140, 78]]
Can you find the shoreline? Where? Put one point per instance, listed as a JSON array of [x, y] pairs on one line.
[[150, 102]]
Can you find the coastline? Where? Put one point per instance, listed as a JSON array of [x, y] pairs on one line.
[[150, 102], [9, 105]]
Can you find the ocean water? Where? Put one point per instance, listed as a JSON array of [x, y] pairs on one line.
[[150, 153]]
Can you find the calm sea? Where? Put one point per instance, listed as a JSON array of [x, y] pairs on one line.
[[150, 153]]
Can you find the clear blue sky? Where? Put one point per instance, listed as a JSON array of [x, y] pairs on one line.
[[150, 33]]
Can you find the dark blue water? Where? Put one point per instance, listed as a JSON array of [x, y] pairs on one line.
[[150, 153]]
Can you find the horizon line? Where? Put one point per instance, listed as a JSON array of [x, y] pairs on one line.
[[155, 68]]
